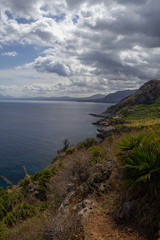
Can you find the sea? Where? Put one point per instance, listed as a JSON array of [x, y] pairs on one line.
[[31, 132]]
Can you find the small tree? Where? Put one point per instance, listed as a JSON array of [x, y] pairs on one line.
[[66, 144]]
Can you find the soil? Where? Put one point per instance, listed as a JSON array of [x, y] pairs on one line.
[[101, 226]]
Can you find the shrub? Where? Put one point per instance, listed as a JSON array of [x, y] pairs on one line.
[[54, 159], [66, 227], [140, 158], [42, 179], [44, 205], [89, 142], [8, 201], [23, 184], [21, 212], [66, 146], [96, 154], [71, 150]]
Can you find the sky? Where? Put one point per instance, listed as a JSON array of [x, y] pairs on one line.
[[77, 47]]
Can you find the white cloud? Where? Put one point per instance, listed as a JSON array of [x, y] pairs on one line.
[[11, 54], [85, 42]]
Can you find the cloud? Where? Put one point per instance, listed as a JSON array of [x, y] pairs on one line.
[[49, 66], [11, 54], [86, 45]]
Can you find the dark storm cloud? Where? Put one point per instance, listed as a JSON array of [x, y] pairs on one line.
[[47, 65], [76, 3], [132, 2], [142, 20], [107, 64]]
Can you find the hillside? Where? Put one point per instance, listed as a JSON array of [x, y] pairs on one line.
[[147, 94], [95, 190], [141, 109]]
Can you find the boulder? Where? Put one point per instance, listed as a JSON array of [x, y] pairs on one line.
[[126, 210]]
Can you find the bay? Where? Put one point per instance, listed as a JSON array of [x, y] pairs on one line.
[[31, 132]]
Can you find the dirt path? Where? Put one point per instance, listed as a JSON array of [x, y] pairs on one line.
[[101, 226]]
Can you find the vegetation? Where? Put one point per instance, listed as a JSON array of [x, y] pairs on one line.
[[21, 212], [88, 169], [97, 154], [139, 155], [123, 169], [71, 150], [3, 231], [141, 111], [66, 146], [89, 142]]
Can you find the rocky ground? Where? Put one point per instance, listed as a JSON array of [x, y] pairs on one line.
[[101, 226]]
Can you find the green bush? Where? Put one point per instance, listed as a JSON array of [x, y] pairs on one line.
[[54, 159], [21, 212], [8, 200], [71, 150], [44, 205], [140, 158], [89, 142], [96, 154], [42, 179], [23, 184]]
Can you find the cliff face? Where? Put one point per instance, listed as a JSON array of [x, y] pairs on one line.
[[146, 94]]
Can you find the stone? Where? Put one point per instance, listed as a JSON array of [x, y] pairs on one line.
[[67, 200], [126, 210], [105, 132], [103, 187], [86, 206]]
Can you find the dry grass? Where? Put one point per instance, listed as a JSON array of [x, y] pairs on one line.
[[66, 226], [34, 228], [143, 122]]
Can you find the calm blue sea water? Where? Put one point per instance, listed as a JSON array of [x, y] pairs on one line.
[[32, 131]]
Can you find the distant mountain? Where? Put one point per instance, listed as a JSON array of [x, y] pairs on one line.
[[5, 97], [110, 98], [116, 97], [97, 96], [92, 98]]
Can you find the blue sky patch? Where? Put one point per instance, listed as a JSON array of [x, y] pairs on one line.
[[24, 20], [9, 14], [25, 53], [58, 18], [75, 19]]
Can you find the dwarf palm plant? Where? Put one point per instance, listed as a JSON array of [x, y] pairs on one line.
[[3, 230], [140, 158]]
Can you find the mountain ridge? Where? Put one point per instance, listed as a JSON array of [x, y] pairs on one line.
[[100, 98]]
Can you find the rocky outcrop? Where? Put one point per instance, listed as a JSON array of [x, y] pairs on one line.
[[105, 132], [148, 92]]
